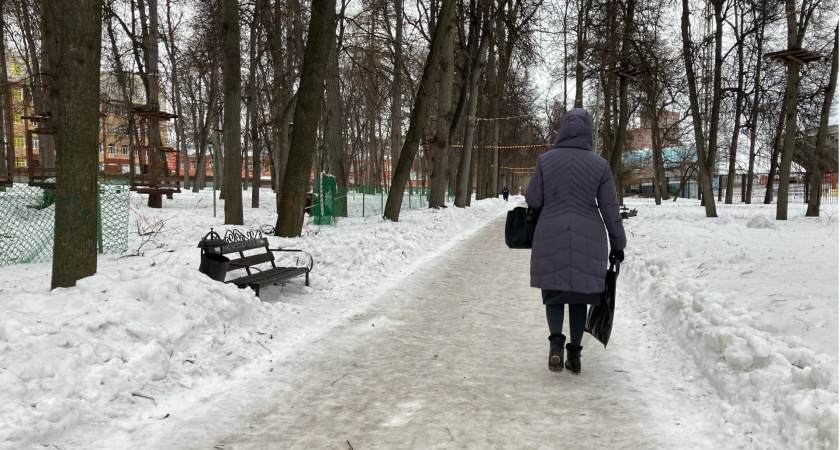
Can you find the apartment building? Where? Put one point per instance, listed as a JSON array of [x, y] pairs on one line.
[[113, 134]]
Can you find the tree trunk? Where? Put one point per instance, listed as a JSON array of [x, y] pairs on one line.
[[657, 155], [774, 158], [232, 72], [172, 50], [321, 37], [463, 189], [152, 82], [332, 132], [736, 132], [795, 35], [580, 50], [439, 150], [717, 94], [396, 86], [754, 109], [76, 116], [482, 161], [7, 133], [820, 150], [700, 143], [624, 109], [420, 111], [49, 61], [253, 99]]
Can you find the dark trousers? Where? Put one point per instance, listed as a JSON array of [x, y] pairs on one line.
[[577, 321]]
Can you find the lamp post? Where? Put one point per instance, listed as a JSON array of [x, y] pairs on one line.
[[597, 105]]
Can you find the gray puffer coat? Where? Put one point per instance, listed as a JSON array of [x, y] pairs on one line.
[[574, 188]]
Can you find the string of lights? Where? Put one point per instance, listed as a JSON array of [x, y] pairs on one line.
[[507, 147]]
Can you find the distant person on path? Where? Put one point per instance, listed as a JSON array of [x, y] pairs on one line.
[[574, 188], [505, 193]]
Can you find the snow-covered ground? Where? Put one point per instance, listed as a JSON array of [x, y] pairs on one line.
[[751, 301], [754, 302], [150, 326]]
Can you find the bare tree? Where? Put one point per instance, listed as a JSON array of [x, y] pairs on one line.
[[820, 150], [419, 113], [705, 155], [797, 25], [307, 115]]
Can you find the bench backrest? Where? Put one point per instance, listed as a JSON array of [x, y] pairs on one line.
[[240, 243]]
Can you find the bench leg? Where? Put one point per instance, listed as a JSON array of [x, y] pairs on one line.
[[307, 278]]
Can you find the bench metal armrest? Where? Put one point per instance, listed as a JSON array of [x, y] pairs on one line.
[[311, 259]]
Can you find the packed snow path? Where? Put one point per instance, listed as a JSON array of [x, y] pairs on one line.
[[456, 357]]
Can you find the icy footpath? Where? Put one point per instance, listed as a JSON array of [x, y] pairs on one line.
[[102, 355], [694, 276]]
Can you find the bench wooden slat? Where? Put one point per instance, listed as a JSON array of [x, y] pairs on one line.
[[248, 261], [270, 276]]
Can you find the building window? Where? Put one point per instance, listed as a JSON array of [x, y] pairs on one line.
[[19, 143], [124, 130], [14, 69], [111, 109], [124, 149], [125, 168], [20, 162], [17, 93], [192, 165], [101, 167], [17, 118], [100, 148], [36, 144], [112, 129], [112, 149]]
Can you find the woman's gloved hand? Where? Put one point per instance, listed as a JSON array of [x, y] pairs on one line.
[[617, 254]]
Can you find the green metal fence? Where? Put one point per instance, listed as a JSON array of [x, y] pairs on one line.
[[27, 221]]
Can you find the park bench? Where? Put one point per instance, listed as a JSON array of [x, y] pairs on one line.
[[258, 262]]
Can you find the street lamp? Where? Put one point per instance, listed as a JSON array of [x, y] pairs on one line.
[[597, 105]]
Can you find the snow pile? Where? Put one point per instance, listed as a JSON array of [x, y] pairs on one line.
[[150, 328], [714, 288], [760, 222], [99, 345]]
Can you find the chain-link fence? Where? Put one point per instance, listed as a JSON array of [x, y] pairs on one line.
[[799, 190], [329, 203], [27, 221]]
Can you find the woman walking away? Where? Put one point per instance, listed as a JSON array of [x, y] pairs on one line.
[[574, 188]]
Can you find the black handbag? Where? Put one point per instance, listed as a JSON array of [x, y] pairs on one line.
[[519, 227], [599, 319]]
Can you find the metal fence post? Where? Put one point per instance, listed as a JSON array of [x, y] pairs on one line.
[[807, 186], [743, 188], [99, 217], [720, 187]]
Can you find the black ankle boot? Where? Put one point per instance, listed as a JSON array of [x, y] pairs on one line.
[[573, 358], [555, 352]]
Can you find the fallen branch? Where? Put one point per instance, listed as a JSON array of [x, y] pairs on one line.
[[336, 381], [134, 394]]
